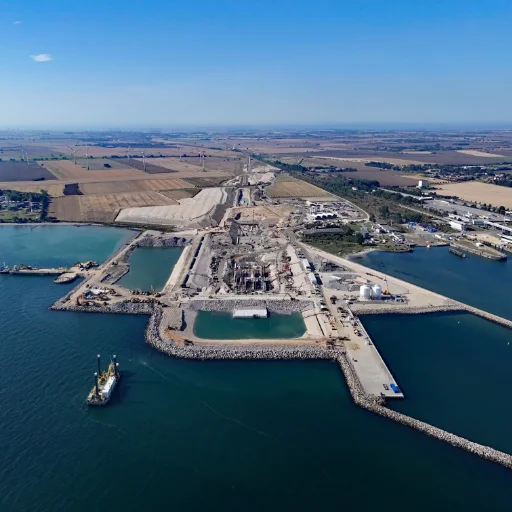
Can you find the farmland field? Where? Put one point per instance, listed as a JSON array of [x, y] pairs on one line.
[[54, 188], [180, 194], [207, 181], [98, 164], [474, 152], [20, 171], [385, 177], [67, 170], [102, 207], [113, 187], [438, 157], [291, 187], [476, 191]]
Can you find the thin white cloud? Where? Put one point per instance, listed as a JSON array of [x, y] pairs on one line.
[[16, 22], [42, 57]]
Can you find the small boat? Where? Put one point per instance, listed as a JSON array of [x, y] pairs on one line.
[[105, 383], [457, 252], [4, 269]]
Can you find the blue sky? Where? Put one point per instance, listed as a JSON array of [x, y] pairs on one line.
[[163, 63]]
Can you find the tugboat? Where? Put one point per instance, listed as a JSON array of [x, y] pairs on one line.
[[105, 383]]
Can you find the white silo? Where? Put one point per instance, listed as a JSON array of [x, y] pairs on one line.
[[376, 292], [365, 292]]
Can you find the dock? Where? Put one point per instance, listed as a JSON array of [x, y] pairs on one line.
[[38, 271]]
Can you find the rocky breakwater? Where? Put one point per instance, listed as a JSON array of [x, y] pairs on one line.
[[149, 240], [361, 309], [247, 352], [128, 308], [376, 404], [278, 306]]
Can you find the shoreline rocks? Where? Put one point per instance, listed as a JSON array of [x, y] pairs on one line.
[[278, 305]]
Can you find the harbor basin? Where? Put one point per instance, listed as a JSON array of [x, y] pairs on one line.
[[150, 266], [220, 325]]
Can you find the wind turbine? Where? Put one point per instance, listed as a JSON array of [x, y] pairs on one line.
[[24, 154], [74, 153], [202, 152], [87, 155], [127, 152], [143, 159]]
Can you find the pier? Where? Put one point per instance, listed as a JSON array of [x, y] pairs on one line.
[[38, 271], [344, 341]]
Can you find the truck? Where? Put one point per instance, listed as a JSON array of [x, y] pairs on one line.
[[395, 388]]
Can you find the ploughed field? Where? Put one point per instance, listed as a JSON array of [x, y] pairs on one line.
[[113, 187], [103, 207], [212, 164], [67, 170], [20, 171]]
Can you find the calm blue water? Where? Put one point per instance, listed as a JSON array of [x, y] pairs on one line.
[[220, 325], [150, 266], [194, 436], [454, 370], [476, 281], [54, 246]]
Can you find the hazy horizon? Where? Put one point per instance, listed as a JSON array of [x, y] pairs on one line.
[[287, 64]]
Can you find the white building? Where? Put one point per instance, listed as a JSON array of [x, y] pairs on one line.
[[422, 184], [458, 225]]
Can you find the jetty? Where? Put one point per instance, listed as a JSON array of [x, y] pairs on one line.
[[28, 270], [482, 250], [334, 329]]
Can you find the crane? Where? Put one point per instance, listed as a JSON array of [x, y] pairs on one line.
[[386, 291]]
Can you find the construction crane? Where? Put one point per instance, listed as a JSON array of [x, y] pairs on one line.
[[386, 291]]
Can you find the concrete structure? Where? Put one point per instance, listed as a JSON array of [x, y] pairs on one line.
[[458, 225], [250, 313], [422, 184]]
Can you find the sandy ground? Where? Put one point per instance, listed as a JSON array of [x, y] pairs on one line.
[[102, 207], [418, 297], [188, 211], [177, 271], [391, 160], [476, 191], [475, 152]]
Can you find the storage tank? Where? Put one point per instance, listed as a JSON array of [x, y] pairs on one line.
[[365, 292], [376, 292]]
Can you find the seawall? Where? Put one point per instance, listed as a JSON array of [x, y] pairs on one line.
[[372, 403], [375, 405]]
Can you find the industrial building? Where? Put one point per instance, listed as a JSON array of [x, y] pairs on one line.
[[458, 225]]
